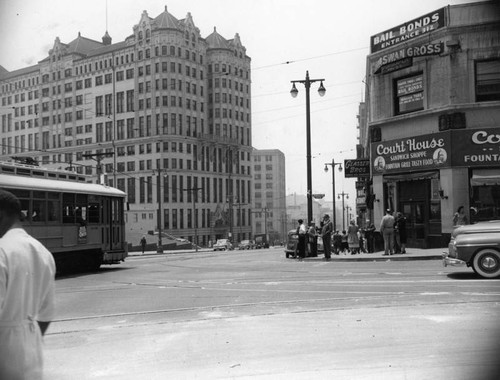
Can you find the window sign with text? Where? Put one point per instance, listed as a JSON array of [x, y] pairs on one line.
[[410, 94]]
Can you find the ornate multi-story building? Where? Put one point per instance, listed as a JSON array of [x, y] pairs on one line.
[[163, 115]]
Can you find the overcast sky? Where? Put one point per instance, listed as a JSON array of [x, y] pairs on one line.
[[284, 38]]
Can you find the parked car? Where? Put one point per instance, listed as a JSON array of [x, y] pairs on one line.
[[291, 244], [222, 245], [477, 246], [246, 244]]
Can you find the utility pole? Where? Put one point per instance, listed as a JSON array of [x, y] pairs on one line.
[[195, 224], [98, 157]]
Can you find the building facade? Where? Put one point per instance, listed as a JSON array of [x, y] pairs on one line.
[[164, 115], [433, 96], [269, 194]]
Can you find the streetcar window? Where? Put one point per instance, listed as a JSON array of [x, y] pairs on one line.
[[39, 210], [94, 209], [53, 207], [68, 208], [20, 193], [25, 209], [81, 209]]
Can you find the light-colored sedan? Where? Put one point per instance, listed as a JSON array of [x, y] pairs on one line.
[[477, 246], [223, 245]]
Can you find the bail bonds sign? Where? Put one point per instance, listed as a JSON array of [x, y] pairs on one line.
[[409, 30]]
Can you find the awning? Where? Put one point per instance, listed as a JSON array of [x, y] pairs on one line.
[[411, 176], [485, 177]]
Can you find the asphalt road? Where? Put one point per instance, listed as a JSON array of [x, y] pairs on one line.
[[257, 315]]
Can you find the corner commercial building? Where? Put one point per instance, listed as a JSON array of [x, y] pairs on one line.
[[163, 115], [433, 98]]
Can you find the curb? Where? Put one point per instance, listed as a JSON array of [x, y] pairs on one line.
[[376, 258]]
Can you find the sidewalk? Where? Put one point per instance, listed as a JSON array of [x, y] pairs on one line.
[[411, 254]]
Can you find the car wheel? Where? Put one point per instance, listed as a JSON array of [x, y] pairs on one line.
[[486, 263]]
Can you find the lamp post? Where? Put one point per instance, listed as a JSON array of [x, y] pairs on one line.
[[346, 195], [333, 188], [321, 91]]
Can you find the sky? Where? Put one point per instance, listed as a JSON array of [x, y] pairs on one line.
[[284, 39]]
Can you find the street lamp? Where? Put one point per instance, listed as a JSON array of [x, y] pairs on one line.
[[333, 188], [342, 194], [321, 91]]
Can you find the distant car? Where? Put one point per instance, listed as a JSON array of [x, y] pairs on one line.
[[246, 244], [477, 246], [222, 245]]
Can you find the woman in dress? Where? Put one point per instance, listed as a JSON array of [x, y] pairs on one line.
[[352, 238]]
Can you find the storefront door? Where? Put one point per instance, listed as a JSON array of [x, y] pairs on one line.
[[414, 212]]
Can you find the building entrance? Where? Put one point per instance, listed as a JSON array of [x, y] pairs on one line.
[[414, 212]]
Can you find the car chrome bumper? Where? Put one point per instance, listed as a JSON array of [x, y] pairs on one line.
[[450, 261]]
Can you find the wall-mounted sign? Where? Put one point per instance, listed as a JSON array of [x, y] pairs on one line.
[[356, 168], [476, 147], [402, 54], [411, 154], [395, 66], [463, 147], [409, 30]]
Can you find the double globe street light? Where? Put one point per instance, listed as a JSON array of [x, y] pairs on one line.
[[321, 91], [332, 164]]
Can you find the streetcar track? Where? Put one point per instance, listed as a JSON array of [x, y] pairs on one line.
[[256, 314]]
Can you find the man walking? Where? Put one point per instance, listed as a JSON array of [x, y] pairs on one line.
[[387, 231], [27, 271], [326, 235]]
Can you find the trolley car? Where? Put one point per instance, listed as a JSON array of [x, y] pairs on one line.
[[81, 224]]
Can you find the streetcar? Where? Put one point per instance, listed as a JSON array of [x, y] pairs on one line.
[[82, 224]]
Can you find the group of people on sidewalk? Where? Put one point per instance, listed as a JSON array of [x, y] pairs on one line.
[[353, 241]]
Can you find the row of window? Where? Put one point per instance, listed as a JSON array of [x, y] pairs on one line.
[[175, 188], [409, 91]]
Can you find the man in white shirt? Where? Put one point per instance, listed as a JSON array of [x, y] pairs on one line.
[[27, 288], [301, 244], [387, 231]]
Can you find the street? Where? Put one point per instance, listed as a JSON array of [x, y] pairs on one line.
[[254, 314]]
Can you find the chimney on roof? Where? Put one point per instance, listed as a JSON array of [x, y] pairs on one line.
[[106, 39]]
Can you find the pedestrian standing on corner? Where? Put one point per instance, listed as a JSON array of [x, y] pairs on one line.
[[326, 235], [337, 242], [387, 231], [27, 289], [301, 244], [143, 244], [460, 217], [344, 246], [353, 238], [370, 238], [401, 232], [312, 240]]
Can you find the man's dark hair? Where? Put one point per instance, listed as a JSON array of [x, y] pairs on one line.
[[300, 221], [9, 203]]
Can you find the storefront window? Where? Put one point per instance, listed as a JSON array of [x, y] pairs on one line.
[[485, 202]]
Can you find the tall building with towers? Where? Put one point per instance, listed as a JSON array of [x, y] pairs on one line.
[[164, 115]]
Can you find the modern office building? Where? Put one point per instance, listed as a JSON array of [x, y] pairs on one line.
[[433, 98], [164, 115], [269, 194]]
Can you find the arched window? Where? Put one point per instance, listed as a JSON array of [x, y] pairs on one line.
[[140, 35], [148, 33]]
